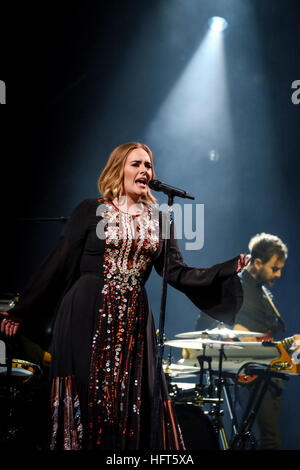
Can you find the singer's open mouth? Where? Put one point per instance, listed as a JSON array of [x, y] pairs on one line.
[[141, 182]]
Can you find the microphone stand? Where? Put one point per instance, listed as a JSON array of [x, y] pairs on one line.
[[171, 192], [160, 341]]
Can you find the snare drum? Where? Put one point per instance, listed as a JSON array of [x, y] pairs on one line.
[[196, 427]]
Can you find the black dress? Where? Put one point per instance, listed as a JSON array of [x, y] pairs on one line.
[[103, 347]]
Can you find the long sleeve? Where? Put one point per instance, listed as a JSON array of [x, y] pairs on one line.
[[216, 290], [57, 272]]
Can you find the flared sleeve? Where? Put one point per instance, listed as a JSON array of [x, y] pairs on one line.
[[58, 271], [215, 290]]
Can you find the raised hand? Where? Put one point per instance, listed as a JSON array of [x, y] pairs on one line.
[[242, 262], [10, 324]]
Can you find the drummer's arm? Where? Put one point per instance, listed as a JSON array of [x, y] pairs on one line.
[[237, 326]]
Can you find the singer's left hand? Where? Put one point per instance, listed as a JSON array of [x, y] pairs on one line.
[[243, 261]]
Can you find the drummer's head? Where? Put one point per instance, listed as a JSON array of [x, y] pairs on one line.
[[268, 255], [126, 163]]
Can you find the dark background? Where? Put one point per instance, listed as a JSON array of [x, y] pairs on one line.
[[84, 77]]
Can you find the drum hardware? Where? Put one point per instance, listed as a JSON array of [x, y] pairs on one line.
[[205, 350], [198, 343], [169, 361], [200, 399], [220, 332], [214, 398], [230, 405], [201, 360], [264, 353], [264, 375], [182, 396], [17, 380], [196, 394], [202, 394], [215, 388], [19, 372], [272, 359], [178, 371], [193, 396], [217, 412]]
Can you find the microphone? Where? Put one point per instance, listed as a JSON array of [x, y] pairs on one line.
[[157, 185]]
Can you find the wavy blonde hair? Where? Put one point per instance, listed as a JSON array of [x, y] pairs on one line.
[[110, 182]]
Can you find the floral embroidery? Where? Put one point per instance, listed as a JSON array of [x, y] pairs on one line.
[[117, 350]]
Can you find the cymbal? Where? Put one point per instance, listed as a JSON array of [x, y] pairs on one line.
[[200, 342], [219, 331], [180, 368], [180, 371]]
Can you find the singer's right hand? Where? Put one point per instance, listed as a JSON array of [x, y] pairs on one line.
[[10, 324]]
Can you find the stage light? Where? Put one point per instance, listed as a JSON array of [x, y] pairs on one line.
[[214, 156], [217, 24], [196, 112]]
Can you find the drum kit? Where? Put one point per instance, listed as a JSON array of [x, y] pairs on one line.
[[19, 380], [20, 395], [213, 360]]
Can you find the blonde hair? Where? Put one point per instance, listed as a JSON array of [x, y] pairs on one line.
[[110, 182]]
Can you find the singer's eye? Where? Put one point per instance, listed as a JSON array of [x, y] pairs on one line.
[[147, 165]]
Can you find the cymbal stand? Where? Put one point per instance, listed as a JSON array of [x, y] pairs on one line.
[[200, 399], [170, 356], [200, 387], [225, 384], [230, 406], [218, 413]]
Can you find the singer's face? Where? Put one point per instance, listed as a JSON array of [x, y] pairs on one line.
[[137, 174]]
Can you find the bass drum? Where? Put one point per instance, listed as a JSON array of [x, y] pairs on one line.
[[196, 427]]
